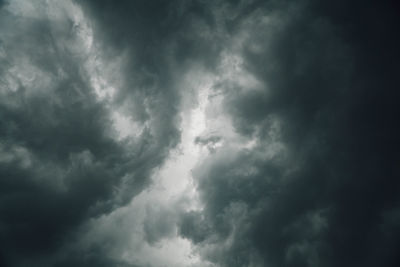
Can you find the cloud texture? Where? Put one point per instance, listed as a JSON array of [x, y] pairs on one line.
[[199, 133]]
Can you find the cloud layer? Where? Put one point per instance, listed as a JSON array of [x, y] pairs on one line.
[[199, 133]]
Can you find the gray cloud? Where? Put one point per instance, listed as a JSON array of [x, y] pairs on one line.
[[328, 78], [91, 109], [61, 163]]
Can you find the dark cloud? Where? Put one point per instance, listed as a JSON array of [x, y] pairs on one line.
[[60, 164], [209, 141], [317, 187], [329, 79]]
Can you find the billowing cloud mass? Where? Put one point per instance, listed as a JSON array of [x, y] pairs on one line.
[[199, 133]]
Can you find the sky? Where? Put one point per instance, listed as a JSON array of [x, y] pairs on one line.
[[196, 133]]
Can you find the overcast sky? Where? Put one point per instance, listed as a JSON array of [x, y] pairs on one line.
[[195, 133]]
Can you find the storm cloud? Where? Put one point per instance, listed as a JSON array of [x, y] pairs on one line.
[[199, 133]]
